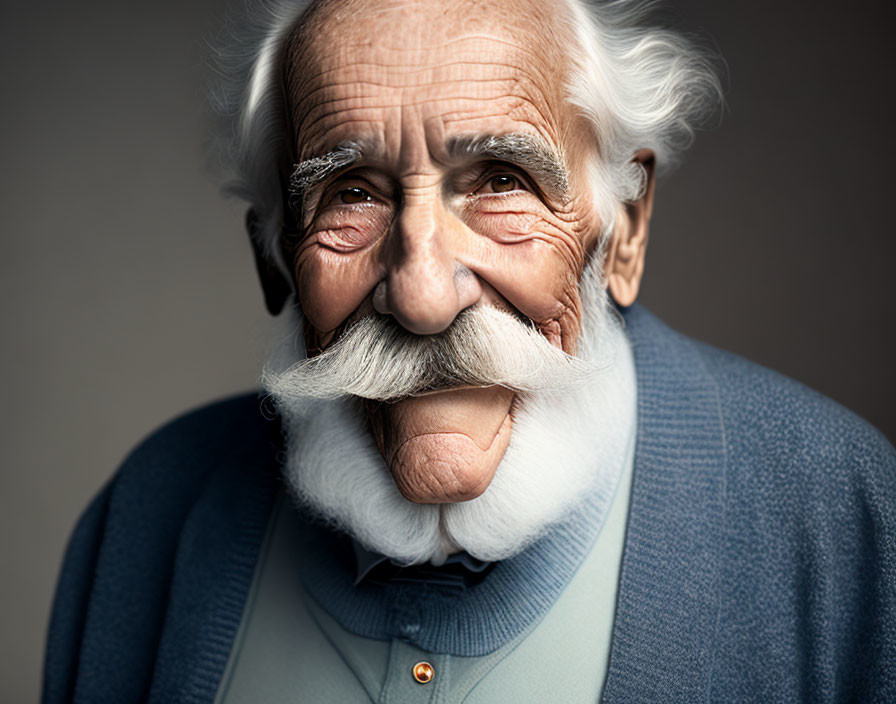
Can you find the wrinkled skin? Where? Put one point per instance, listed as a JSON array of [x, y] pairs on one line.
[[415, 232]]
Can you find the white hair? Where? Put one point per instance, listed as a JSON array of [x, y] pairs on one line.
[[377, 359], [639, 87], [568, 446]]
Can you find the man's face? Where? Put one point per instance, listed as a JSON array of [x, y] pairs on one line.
[[461, 182]]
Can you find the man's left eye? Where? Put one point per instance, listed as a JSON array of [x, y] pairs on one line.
[[350, 196], [504, 183]]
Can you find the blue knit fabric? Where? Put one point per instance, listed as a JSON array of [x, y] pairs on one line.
[[471, 622], [759, 566], [152, 588]]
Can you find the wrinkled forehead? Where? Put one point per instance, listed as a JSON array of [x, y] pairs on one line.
[[351, 62], [425, 22]]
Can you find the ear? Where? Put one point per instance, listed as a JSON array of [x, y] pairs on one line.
[[275, 286], [624, 265]]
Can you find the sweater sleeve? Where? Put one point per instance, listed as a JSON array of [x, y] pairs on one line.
[[114, 593], [70, 603], [875, 656], [809, 578]]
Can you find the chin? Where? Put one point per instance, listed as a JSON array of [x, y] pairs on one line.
[[561, 447], [444, 447]]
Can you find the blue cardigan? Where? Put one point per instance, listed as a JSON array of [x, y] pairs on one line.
[[759, 562]]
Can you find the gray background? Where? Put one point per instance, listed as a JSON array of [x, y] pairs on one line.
[[128, 293]]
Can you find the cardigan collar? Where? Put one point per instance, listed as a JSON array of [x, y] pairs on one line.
[[519, 590], [667, 602], [668, 605]]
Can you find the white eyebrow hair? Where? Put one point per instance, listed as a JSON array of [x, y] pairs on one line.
[[310, 172], [527, 151]]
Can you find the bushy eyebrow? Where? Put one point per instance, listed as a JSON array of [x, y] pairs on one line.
[[527, 151], [310, 172]]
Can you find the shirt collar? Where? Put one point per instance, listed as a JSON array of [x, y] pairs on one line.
[[460, 570]]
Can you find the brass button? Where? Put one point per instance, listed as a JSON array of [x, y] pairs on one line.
[[423, 672]]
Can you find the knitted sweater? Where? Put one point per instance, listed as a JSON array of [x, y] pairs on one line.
[[759, 563]]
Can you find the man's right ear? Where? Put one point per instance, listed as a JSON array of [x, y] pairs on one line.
[[275, 286]]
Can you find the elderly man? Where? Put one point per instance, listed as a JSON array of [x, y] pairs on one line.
[[482, 473]]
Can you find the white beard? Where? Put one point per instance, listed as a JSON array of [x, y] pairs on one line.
[[565, 446]]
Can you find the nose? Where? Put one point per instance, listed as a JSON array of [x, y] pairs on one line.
[[425, 287]]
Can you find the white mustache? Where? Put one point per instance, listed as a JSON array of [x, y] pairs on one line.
[[377, 359]]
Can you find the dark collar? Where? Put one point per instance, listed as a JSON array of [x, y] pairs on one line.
[[459, 571]]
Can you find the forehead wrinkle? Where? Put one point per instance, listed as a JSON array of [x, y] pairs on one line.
[[435, 23], [354, 93], [514, 49], [318, 103], [403, 69], [332, 107], [373, 82], [313, 51], [368, 87], [369, 115], [368, 55], [352, 105], [333, 31], [527, 70]]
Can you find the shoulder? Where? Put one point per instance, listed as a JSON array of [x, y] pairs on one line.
[[778, 422], [212, 450], [191, 446], [193, 491], [765, 415], [805, 532], [810, 526], [189, 443], [803, 473], [791, 457]]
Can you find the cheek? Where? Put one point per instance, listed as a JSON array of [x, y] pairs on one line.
[[335, 265], [537, 281], [332, 285], [535, 265]]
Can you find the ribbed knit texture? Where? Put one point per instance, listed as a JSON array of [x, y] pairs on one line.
[[471, 622], [668, 605], [760, 559], [518, 591], [213, 570], [169, 551]]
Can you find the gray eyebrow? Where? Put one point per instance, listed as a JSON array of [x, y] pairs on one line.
[[524, 150], [310, 172]]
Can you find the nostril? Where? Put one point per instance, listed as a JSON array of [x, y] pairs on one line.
[[380, 299], [467, 286]]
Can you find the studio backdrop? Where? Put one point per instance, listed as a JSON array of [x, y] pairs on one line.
[[129, 293]]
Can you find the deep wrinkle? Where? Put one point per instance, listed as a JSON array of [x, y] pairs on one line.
[[426, 234]]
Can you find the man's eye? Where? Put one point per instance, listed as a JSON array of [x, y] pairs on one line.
[[504, 183], [349, 196]]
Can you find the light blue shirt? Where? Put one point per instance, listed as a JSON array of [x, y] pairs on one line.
[[290, 649]]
